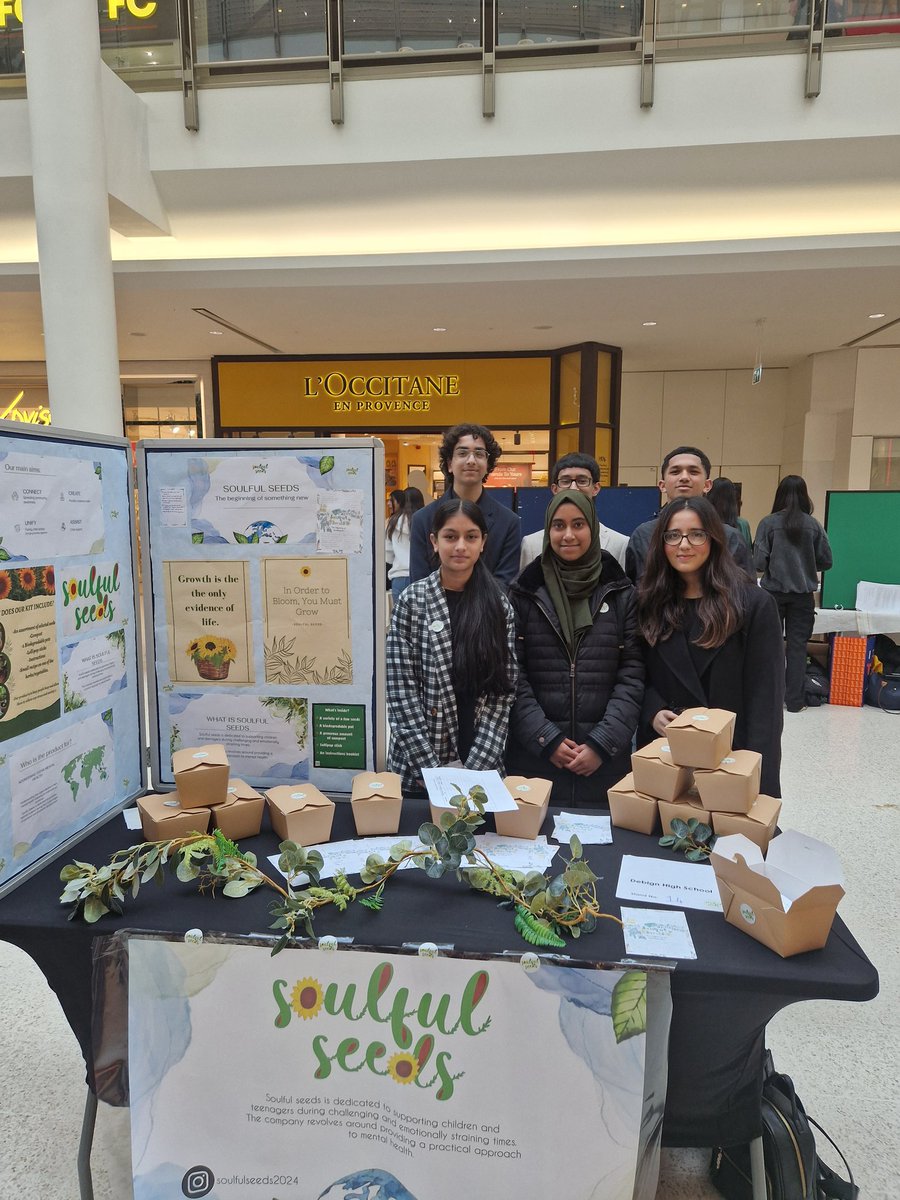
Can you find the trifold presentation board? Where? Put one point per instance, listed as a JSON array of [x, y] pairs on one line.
[[263, 613]]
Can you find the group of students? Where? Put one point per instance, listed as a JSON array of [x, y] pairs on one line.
[[548, 664]]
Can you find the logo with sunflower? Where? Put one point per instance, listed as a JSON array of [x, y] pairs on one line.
[[306, 998]]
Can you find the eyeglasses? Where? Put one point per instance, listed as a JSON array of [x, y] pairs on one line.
[[463, 452], [579, 481], [695, 537]]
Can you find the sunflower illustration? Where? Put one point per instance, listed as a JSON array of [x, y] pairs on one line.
[[73, 588], [306, 998], [27, 579], [47, 578], [5, 584], [403, 1068], [305, 571]]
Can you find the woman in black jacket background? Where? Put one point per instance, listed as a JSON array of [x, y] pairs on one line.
[[711, 637], [580, 671]]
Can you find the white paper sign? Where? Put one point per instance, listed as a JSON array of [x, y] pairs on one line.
[[349, 857], [50, 506], [590, 830], [516, 854], [656, 933], [677, 884], [443, 785]]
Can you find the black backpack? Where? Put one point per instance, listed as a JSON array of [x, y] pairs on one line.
[[816, 684], [794, 1171]]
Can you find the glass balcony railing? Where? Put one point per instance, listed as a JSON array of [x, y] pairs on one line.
[[142, 39]]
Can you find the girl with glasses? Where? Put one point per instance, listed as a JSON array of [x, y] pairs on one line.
[[711, 637], [451, 672], [580, 672]]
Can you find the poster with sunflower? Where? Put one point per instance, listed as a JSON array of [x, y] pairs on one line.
[[208, 618], [29, 658]]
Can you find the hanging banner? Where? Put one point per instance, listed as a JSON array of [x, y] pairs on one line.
[[374, 1074]]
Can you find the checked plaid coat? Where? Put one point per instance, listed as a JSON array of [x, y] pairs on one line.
[[421, 702]]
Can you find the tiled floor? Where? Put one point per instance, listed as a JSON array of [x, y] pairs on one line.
[[841, 782]]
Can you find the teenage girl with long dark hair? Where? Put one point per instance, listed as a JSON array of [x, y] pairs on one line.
[[791, 548], [711, 637], [451, 672]]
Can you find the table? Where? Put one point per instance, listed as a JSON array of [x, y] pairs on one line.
[[721, 1002]]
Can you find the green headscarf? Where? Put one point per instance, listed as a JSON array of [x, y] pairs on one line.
[[571, 584]]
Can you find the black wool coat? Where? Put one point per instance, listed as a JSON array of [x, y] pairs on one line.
[[593, 698], [744, 675]]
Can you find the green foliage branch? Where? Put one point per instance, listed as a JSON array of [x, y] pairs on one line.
[[694, 837]]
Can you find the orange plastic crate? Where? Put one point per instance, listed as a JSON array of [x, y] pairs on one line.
[[851, 659]]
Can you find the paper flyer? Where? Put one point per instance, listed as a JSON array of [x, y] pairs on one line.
[[339, 521], [265, 737], [51, 506], [269, 500], [208, 618], [307, 621], [29, 658], [379, 1075], [92, 669]]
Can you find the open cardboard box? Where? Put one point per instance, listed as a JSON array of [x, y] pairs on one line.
[[629, 809], [532, 797], [376, 800], [758, 824], [788, 900], [201, 775], [300, 813], [685, 807], [733, 785], [163, 817], [241, 814], [700, 737], [656, 774]]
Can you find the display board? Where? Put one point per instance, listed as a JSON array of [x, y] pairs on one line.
[[377, 1074], [619, 508], [71, 750], [263, 569], [864, 531]]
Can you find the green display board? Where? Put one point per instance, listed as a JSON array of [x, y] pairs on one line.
[[864, 531]]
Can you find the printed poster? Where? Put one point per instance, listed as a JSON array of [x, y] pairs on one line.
[[340, 521], [243, 500], [51, 507], [90, 599], [208, 615], [379, 1075], [264, 736], [307, 621], [93, 669], [61, 779], [29, 659]]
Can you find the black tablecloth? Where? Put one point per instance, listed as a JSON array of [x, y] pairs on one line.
[[721, 1002]]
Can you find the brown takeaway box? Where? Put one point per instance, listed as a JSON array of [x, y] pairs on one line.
[[163, 817], [786, 901], [758, 824], [300, 813], [628, 809], [700, 737], [733, 785], [201, 775], [684, 807], [376, 800], [655, 773], [532, 797], [241, 814]]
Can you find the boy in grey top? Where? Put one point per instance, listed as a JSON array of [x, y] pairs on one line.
[[685, 472], [582, 472]]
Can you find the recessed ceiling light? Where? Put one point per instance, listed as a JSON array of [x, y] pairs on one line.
[[439, 329], [648, 324], [875, 316], [216, 333], [542, 326], [137, 333]]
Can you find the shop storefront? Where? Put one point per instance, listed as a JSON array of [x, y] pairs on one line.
[[539, 405]]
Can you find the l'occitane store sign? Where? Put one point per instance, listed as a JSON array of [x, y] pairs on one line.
[[283, 393], [142, 9]]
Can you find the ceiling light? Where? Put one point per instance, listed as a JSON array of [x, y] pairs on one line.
[[648, 324], [542, 327], [137, 333], [216, 333], [176, 429], [439, 329], [875, 316]]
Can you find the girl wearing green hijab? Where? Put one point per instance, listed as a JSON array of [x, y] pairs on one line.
[[580, 668]]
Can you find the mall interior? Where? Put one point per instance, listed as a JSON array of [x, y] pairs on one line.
[[615, 227]]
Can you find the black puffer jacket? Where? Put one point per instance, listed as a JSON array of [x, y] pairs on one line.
[[595, 699]]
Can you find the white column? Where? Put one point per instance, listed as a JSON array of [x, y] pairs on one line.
[[63, 65]]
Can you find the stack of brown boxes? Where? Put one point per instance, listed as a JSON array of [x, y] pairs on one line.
[[204, 793], [693, 772]]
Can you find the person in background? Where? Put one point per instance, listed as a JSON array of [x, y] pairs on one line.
[[790, 550], [685, 472], [580, 681], [468, 454], [451, 668], [724, 499], [711, 637], [396, 538], [582, 472]]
